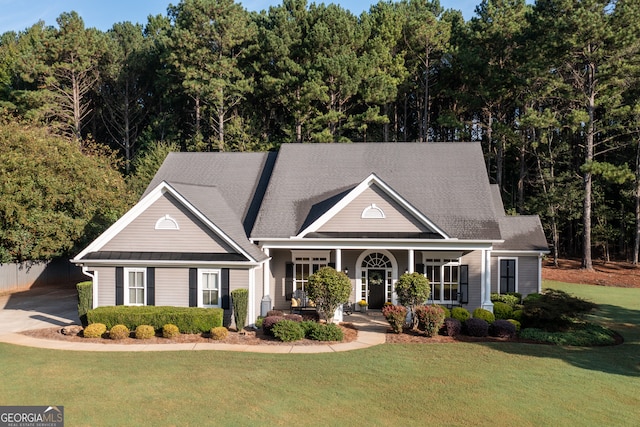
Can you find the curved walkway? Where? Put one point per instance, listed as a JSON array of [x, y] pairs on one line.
[[47, 307]]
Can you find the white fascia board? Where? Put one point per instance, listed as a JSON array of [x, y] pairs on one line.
[[417, 244], [514, 253], [360, 188], [91, 263], [143, 205]]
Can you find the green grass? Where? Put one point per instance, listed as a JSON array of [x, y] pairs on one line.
[[491, 384]]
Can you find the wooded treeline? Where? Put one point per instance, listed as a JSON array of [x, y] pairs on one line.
[[550, 89]]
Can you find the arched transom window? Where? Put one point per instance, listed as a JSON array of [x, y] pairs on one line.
[[376, 260]]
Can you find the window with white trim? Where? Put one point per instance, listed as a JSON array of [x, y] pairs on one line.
[[444, 279], [209, 288], [135, 286], [305, 264], [508, 273]]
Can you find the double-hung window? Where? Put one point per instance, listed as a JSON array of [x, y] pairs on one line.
[[209, 288], [444, 278], [306, 263], [508, 271], [135, 286]]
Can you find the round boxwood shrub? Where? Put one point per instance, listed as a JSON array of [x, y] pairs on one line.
[[119, 332], [219, 333], [515, 323], [269, 322], [476, 327], [447, 312], [460, 313], [95, 330], [259, 322], [170, 330], [517, 315], [293, 317], [144, 332], [486, 315], [452, 327], [288, 330], [502, 310], [502, 329], [326, 332]]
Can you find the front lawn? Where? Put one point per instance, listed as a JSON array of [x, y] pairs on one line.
[[489, 384]]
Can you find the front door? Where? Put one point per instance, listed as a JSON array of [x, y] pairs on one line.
[[377, 288]]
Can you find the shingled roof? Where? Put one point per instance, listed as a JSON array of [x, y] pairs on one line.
[[447, 182]]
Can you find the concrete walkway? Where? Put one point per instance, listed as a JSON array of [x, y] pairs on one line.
[[44, 308]]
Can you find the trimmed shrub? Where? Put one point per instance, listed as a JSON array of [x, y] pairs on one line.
[[288, 330], [293, 317], [144, 332], [502, 329], [240, 301], [531, 297], [447, 312], [119, 332], [511, 298], [486, 315], [396, 316], [502, 310], [328, 289], [515, 323], [517, 315], [476, 327], [587, 334], [95, 330], [274, 313], [170, 330], [85, 301], [259, 322], [269, 322], [413, 290], [451, 327], [430, 319], [554, 310], [325, 332], [219, 333], [189, 320], [460, 313]]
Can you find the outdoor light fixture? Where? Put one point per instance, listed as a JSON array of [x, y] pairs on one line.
[[346, 270]]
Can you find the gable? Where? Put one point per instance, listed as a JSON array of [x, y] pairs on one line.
[[373, 211], [167, 226]]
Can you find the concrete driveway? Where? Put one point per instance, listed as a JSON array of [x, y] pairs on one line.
[[41, 307]]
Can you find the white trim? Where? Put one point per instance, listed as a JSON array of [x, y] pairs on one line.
[[358, 273], [167, 223], [357, 191], [310, 254], [218, 274], [126, 289], [486, 282], [518, 253], [540, 273], [252, 296], [157, 263], [266, 274], [363, 244], [500, 259], [147, 201], [94, 285]]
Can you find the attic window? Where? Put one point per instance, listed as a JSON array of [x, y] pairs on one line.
[[372, 212], [167, 223]]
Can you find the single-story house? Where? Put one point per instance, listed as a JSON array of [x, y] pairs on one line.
[[212, 222]]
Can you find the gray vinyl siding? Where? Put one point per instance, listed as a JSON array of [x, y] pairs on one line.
[[106, 285], [397, 219], [474, 261], [278, 263], [172, 287], [527, 275], [191, 237], [238, 279]]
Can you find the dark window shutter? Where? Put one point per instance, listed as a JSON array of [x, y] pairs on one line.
[[288, 280], [224, 289], [193, 287], [119, 285], [464, 285], [151, 286], [419, 268]]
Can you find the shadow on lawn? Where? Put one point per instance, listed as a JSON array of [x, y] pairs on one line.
[[621, 359]]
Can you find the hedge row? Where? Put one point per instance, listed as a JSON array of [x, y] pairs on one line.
[[189, 320]]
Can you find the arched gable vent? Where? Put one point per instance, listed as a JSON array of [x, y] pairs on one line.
[[167, 223], [372, 212]]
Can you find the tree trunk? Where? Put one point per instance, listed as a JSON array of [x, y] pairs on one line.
[[587, 180], [636, 245]]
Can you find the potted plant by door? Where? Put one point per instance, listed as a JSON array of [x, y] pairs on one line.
[[363, 305]]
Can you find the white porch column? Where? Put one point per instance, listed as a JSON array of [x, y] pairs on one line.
[[412, 264], [338, 259], [486, 285], [265, 305], [252, 296]]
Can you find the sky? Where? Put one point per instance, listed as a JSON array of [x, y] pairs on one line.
[[17, 15]]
